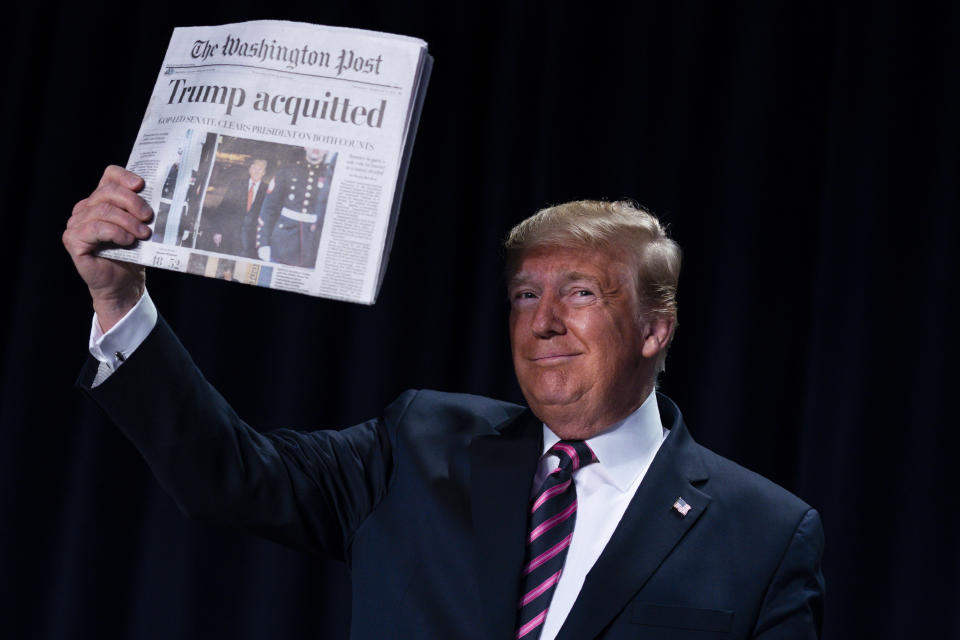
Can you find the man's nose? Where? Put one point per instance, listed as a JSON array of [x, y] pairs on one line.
[[548, 319]]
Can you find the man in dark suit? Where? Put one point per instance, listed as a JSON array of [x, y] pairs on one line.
[[591, 514], [231, 227]]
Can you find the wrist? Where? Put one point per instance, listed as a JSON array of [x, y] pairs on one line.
[[111, 308]]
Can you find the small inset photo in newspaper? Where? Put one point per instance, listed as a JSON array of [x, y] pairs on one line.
[[201, 264], [246, 198]]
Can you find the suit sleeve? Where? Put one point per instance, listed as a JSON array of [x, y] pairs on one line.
[[793, 606], [307, 490]]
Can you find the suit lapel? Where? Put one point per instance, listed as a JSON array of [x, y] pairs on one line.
[[502, 466], [648, 532]]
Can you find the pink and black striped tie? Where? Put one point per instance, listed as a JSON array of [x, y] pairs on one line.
[[553, 512]]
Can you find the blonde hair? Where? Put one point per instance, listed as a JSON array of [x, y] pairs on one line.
[[621, 227]]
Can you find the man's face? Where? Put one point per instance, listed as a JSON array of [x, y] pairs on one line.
[[578, 344], [314, 156], [257, 169]]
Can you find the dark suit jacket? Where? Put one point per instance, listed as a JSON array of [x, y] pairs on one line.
[[231, 219], [428, 505], [248, 230]]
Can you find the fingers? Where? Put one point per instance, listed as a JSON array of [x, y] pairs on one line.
[[113, 213], [122, 177], [102, 223], [85, 238], [115, 195], [109, 213]]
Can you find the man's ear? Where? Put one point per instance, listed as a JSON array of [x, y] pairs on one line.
[[657, 332]]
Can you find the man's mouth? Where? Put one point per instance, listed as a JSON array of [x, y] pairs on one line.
[[553, 358]]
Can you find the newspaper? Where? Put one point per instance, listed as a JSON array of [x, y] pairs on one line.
[[274, 154]]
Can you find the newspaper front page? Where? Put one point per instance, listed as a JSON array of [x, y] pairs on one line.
[[274, 154]]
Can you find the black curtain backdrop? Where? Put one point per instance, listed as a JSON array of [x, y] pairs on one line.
[[805, 155]]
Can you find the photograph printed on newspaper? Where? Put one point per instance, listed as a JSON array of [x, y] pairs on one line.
[[274, 154]]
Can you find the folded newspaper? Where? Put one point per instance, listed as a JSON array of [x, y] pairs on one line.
[[275, 153]]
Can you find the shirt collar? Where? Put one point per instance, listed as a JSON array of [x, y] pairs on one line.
[[626, 447]]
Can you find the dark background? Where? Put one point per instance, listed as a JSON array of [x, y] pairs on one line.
[[805, 155]]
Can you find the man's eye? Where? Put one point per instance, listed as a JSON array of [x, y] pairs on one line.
[[524, 295], [583, 293]]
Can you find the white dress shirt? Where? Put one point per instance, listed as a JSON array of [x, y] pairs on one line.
[[604, 489], [112, 348]]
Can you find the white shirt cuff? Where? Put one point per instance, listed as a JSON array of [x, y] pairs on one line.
[[112, 348]]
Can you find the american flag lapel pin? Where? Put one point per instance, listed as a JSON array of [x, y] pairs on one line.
[[682, 507]]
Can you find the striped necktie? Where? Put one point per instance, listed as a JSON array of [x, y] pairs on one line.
[[552, 515]]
